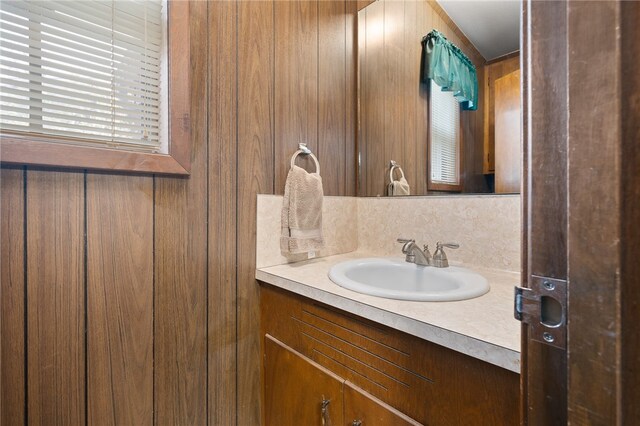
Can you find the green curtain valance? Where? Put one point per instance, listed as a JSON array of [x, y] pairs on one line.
[[449, 68]]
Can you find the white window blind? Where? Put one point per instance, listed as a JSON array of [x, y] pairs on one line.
[[445, 137], [84, 72]]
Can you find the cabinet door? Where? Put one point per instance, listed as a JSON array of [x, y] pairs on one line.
[[297, 389], [362, 409], [507, 131]]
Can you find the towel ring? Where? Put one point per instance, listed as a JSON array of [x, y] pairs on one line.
[[302, 149], [394, 166]]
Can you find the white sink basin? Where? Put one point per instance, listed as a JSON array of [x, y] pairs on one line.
[[397, 279]]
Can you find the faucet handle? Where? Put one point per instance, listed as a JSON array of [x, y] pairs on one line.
[[406, 243], [439, 245], [405, 240], [439, 259]]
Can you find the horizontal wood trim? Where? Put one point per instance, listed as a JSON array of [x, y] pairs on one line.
[[432, 186], [515, 54], [17, 150], [48, 151]]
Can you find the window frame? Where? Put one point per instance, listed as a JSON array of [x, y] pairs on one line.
[[439, 186], [39, 150]]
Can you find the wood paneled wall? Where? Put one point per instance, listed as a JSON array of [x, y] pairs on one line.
[[131, 299], [394, 105], [495, 69]]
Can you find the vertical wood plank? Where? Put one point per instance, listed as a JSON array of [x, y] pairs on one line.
[[56, 307], [222, 135], [296, 84], [479, 183], [351, 98], [120, 299], [594, 212], [12, 302], [180, 291], [438, 24], [548, 144], [524, 198], [255, 175], [393, 72], [374, 94], [332, 92], [547, 196], [423, 26], [362, 94], [630, 270], [410, 87]]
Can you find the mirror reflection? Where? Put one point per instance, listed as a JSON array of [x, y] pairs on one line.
[[425, 128]]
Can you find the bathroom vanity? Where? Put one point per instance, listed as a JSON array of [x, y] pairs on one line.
[[384, 361], [333, 356]]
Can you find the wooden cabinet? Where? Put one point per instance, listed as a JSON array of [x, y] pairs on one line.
[[298, 391], [388, 377]]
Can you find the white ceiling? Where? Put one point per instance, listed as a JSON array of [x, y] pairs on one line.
[[493, 26]]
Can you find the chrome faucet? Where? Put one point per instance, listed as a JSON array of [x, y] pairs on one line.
[[423, 257], [414, 254]]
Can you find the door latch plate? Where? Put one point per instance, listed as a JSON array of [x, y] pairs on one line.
[[543, 306]]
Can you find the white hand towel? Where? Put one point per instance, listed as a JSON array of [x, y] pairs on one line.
[[400, 186], [302, 210]]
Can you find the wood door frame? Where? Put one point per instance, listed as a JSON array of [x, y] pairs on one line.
[[581, 206]]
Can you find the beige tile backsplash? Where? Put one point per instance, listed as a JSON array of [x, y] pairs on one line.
[[487, 227], [339, 228]]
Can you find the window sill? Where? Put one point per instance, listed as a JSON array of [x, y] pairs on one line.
[[433, 186], [40, 152]]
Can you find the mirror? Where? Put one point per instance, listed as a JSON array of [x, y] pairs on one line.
[[402, 119]]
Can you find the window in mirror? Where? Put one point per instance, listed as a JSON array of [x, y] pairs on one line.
[[444, 141], [86, 84]]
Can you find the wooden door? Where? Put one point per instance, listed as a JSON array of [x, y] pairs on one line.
[[507, 133], [362, 409], [297, 390], [582, 208]]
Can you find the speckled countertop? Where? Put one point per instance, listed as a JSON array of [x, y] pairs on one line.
[[483, 327]]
